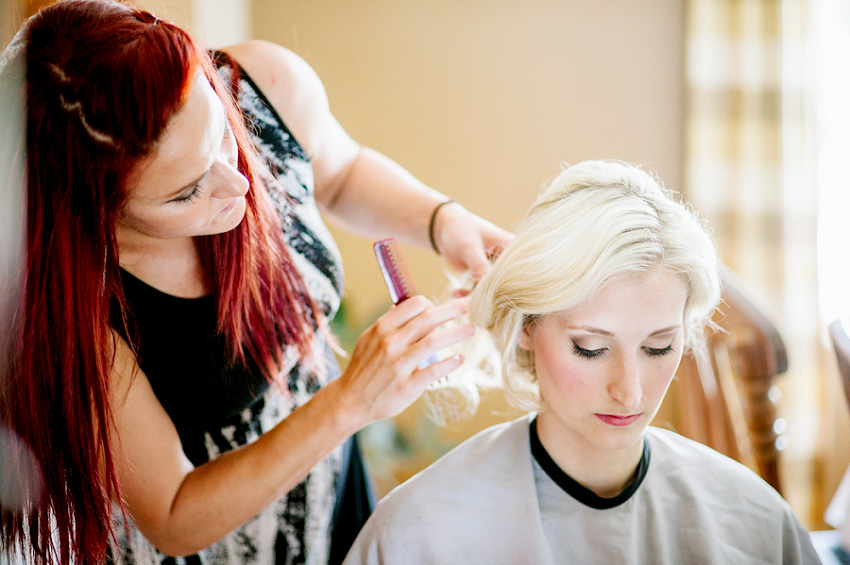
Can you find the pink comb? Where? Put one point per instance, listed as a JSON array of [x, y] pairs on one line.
[[395, 271], [400, 284]]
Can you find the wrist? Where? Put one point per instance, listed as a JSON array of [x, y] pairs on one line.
[[344, 411], [432, 224]]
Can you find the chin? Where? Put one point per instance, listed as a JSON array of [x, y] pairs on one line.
[[623, 442], [612, 438]]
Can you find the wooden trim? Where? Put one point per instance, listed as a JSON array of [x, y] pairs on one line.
[[727, 402]]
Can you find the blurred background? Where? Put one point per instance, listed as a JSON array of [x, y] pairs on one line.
[[739, 104]]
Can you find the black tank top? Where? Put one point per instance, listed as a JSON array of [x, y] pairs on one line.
[[185, 362]]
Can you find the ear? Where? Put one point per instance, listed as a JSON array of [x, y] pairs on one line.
[[524, 337]]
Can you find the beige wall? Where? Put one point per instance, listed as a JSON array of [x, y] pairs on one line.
[[481, 100], [484, 99], [214, 22]]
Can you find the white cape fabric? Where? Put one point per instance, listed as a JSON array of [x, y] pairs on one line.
[[479, 504]]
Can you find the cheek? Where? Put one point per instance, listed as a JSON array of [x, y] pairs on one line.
[[662, 375], [561, 374], [160, 223]]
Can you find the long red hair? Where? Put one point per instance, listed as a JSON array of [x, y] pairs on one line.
[[102, 81]]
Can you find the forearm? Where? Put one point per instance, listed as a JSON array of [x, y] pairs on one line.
[[222, 494], [379, 198]]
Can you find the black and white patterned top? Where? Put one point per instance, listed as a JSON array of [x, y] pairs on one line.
[[215, 408]]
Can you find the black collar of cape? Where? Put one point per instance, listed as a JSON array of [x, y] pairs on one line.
[[573, 488]]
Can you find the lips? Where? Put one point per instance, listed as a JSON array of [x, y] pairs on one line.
[[227, 208], [614, 420]]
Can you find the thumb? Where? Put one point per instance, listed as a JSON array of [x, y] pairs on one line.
[[478, 265]]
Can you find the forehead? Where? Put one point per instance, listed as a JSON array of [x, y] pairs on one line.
[[186, 148], [639, 303]]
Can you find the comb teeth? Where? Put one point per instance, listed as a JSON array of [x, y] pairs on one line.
[[395, 271]]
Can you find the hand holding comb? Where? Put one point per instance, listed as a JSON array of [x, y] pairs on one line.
[[400, 284]]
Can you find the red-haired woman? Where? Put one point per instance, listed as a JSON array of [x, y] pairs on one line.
[[170, 374]]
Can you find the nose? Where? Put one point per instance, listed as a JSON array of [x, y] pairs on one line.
[[231, 182], [624, 385]]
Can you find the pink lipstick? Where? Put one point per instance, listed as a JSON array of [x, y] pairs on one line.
[[614, 420], [227, 208]]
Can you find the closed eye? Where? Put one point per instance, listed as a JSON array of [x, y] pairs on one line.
[[587, 353], [659, 352], [192, 196]]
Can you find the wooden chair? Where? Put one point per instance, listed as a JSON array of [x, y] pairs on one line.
[[838, 334], [726, 391]]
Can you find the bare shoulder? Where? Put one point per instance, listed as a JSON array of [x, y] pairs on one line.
[[271, 65], [287, 80]]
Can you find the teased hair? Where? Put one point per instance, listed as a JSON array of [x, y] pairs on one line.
[[597, 221], [102, 81]]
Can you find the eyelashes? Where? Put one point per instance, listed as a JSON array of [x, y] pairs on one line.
[[594, 353], [659, 352], [196, 193], [587, 353]]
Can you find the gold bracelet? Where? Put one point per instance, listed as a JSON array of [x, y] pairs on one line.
[[433, 221]]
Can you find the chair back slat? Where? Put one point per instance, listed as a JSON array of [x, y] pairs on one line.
[[726, 388]]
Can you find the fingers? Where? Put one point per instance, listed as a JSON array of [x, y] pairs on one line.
[[383, 375], [479, 267], [431, 318], [470, 243], [426, 347], [408, 329], [435, 371], [411, 329], [418, 316]]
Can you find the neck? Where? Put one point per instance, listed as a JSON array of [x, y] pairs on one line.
[[170, 265], [606, 472]]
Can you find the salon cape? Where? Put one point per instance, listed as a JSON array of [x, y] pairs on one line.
[[478, 504]]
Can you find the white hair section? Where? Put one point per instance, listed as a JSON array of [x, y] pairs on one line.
[[12, 178], [14, 50], [17, 463], [595, 222]]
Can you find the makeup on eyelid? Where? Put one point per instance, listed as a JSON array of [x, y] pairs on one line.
[[588, 353]]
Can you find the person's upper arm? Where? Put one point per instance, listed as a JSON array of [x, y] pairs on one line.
[[148, 455], [299, 97]]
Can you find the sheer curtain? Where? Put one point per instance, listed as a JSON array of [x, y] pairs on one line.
[[748, 170], [829, 28]]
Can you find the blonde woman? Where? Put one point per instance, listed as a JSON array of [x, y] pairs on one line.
[[608, 281]]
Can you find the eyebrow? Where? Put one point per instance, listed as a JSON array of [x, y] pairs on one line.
[[600, 331]]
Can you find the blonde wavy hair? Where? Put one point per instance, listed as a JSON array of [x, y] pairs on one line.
[[597, 221]]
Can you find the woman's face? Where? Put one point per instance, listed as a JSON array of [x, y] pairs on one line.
[[604, 367], [189, 185]]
